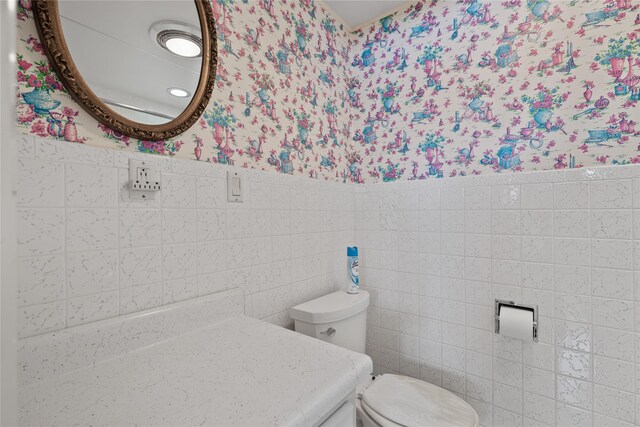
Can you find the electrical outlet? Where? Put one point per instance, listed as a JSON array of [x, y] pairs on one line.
[[144, 182]]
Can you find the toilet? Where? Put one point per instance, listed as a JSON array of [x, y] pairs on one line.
[[388, 400]]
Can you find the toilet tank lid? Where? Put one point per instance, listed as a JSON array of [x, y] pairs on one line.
[[331, 308]]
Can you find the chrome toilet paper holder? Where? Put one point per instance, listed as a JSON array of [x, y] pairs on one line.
[[530, 307]]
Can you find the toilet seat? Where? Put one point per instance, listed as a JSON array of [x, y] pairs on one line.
[[396, 400], [377, 418]]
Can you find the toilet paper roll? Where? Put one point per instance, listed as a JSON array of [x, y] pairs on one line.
[[516, 323]]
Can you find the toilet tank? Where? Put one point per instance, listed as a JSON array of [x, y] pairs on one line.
[[339, 318]]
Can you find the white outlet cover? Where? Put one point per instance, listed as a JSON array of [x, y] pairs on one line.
[[144, 182]]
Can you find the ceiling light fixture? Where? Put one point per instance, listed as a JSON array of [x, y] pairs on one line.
[[180, 43], [179, 39], [180, 93]]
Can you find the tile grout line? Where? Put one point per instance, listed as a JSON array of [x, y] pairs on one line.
[[64, 256], [590, 239]]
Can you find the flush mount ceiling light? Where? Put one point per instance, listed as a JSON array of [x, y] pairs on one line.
[[180, 43], [179, 39], [180, 93]]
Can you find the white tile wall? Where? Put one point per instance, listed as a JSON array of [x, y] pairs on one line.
[[88, 251], [435, 255]]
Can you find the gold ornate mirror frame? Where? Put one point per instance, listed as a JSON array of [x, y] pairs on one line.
[[47, 18]]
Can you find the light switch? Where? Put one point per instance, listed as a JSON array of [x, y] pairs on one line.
[[234, 187]]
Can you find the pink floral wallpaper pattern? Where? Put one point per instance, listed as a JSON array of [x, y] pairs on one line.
[[280, 101], [441, 89], [468, 87]]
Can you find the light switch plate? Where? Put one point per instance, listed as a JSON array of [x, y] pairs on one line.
[[144, 182], [235, 187]]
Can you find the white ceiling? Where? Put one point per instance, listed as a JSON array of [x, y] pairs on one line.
[[358, 12], [110, 44]]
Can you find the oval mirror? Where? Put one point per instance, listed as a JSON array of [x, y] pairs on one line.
[[144, 68]]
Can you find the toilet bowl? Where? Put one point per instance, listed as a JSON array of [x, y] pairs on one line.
[[388, 400], [398, 400]]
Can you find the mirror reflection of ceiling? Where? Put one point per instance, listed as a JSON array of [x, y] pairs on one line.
[[111, 45], [359, 12]]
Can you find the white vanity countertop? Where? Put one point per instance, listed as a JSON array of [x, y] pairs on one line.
[[241, 371]]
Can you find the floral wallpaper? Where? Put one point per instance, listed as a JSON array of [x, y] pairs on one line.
[[441, 89], [468, 87], [280, 101]]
